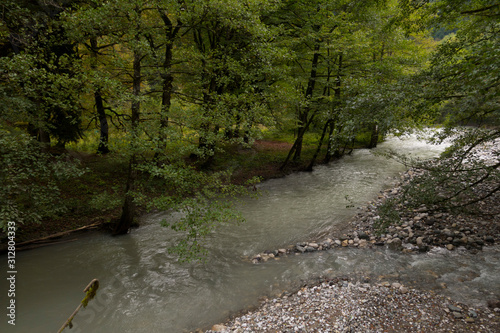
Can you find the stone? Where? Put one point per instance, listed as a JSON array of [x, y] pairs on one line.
[[494, 303], [450, 247], [457, 315], [489, 239], [454, 308], [403, 290], [219, 328], [363, 235], [314, 245], [420, 240], [282, 251], [300, 249], [345, 243], [430, 221], [396, 285], [395, 244], [469, 320]]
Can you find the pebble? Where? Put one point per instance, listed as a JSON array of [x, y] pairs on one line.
[[353, 306]]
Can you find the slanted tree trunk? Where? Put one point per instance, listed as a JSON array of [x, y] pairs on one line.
[[304, 113], [294, 147], [320, 143]]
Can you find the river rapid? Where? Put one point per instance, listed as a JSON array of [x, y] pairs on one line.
[[144, 289]]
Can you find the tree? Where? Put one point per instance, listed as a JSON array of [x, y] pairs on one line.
[[41, 68], [145, 60], [460, 88], [354, 75]]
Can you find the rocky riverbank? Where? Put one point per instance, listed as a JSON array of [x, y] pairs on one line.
[[342, 305], [417, 230], [349, 306]]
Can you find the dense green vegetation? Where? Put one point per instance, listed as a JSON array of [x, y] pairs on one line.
[[108, 107]]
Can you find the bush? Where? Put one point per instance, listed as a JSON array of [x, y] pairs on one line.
[[29, 179]]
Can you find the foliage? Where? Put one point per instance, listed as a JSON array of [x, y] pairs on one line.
[[30, 178], [204, 201], [460, 181], [388, 215], [181, 81], [460, 88], [41, 77]]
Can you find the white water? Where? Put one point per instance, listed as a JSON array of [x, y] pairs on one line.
[[143, 289]]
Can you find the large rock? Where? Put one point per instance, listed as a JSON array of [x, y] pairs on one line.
[[395, 244], [363, 235], [300, 248]]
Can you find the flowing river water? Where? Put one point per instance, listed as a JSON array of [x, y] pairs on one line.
[[144, 289]]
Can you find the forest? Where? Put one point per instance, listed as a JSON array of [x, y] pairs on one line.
[[109, 109]]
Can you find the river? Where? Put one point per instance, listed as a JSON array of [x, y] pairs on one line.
[[144, 289]]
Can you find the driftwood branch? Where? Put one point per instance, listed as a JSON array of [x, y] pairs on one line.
[[90, 291]]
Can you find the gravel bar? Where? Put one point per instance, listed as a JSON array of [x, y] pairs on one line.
[[345, 306]]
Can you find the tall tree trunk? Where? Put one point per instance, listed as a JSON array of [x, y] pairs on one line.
[[168, 79], [304, 113], [128, 210], [103, 121], [374, 136], [329, 154], [99, 104], [337, 93]]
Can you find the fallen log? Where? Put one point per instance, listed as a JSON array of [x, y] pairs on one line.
[[51, 239]]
